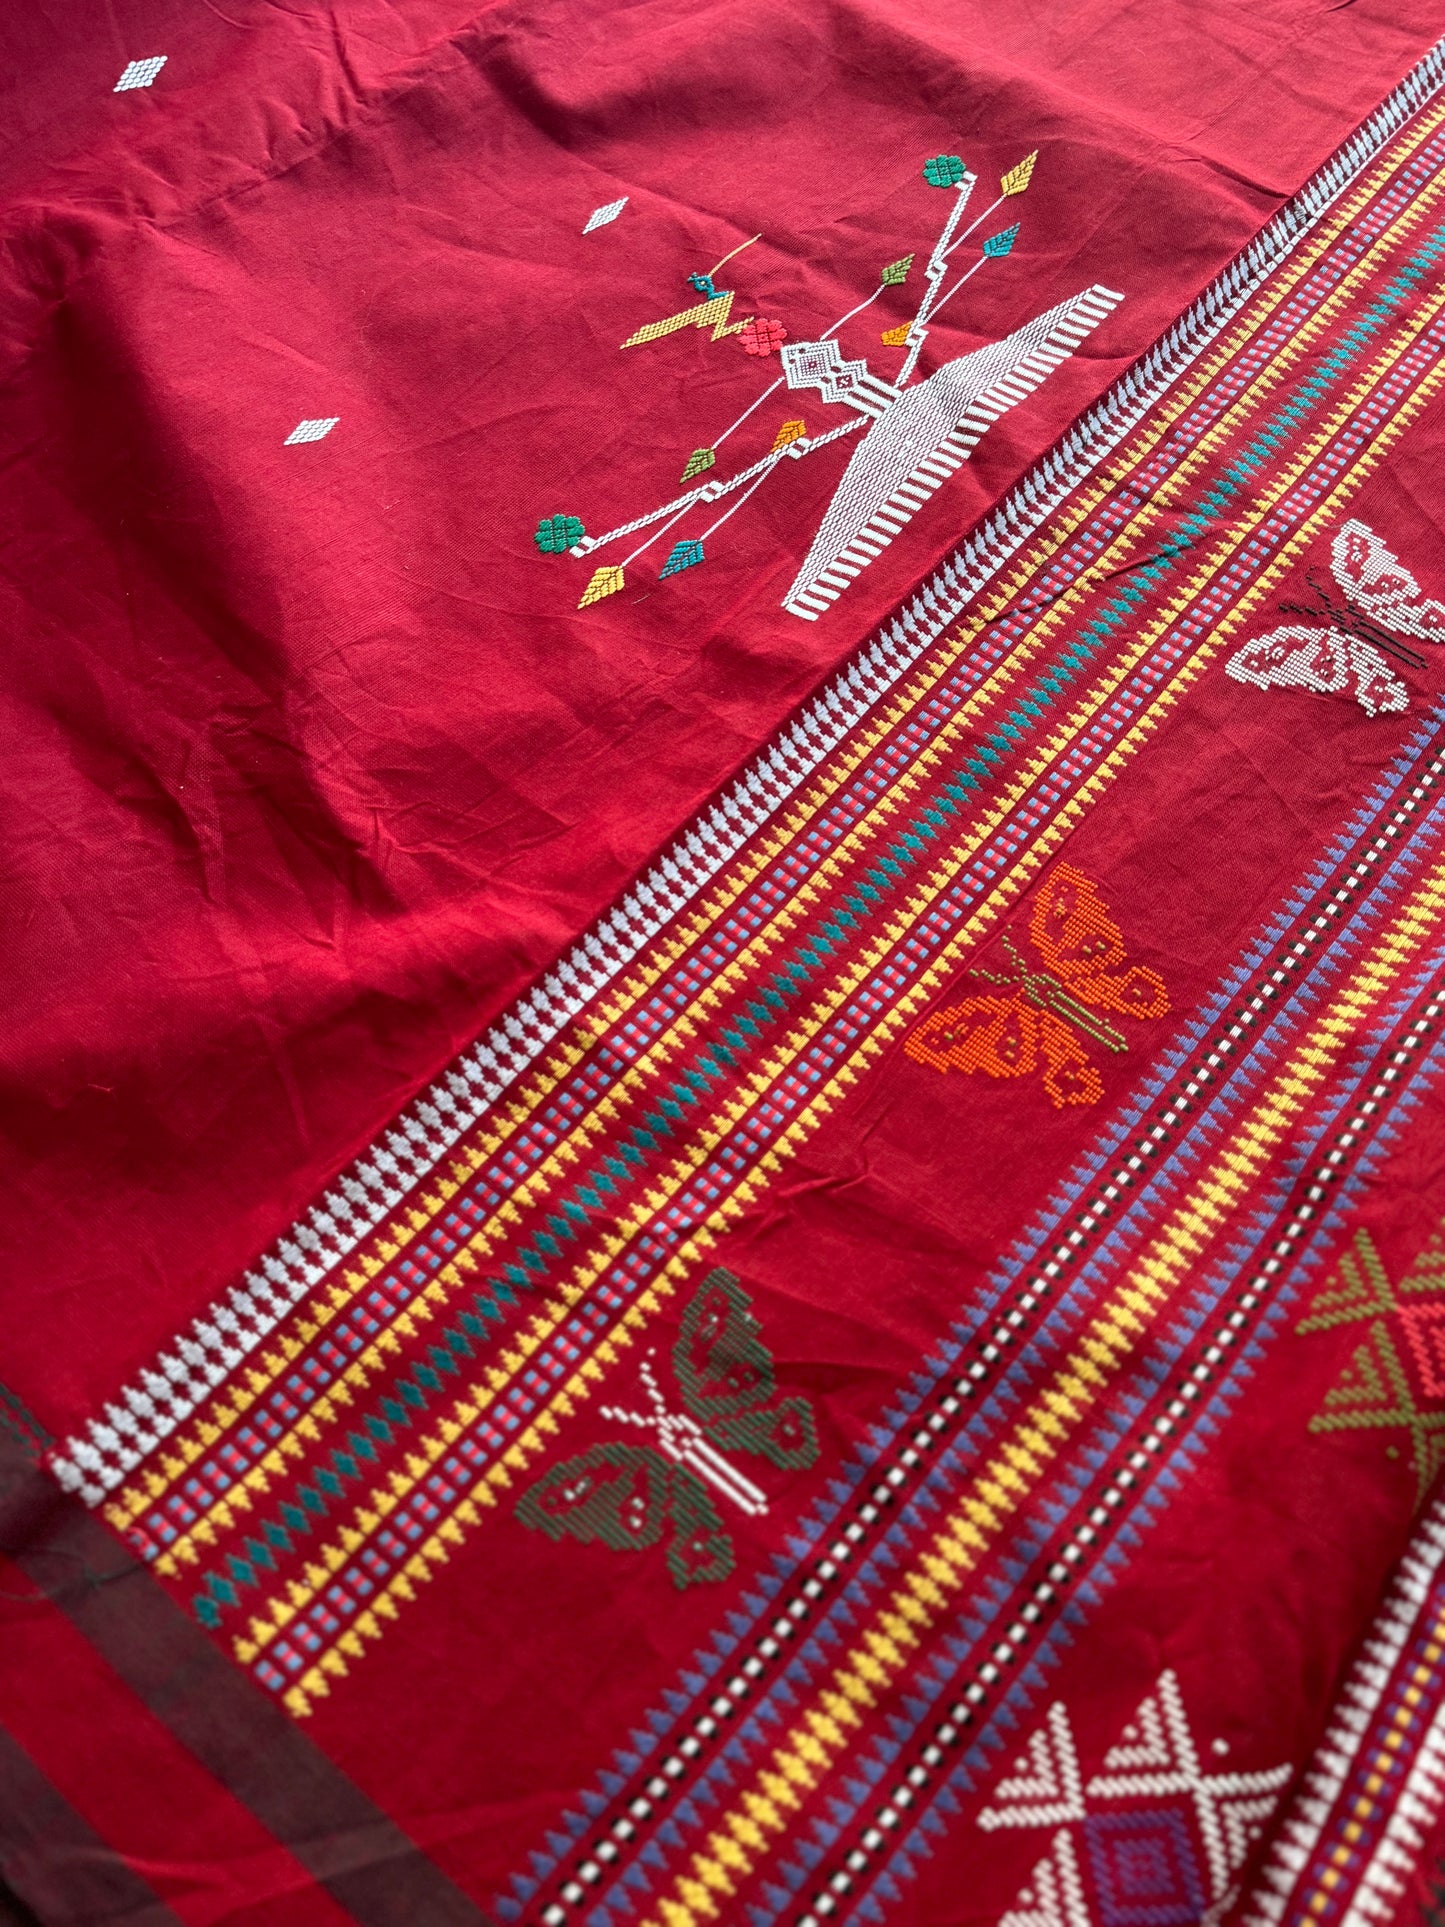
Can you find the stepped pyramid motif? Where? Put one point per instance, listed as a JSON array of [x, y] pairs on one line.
[[921, 435]]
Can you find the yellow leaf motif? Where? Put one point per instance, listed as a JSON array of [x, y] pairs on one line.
[[607, 581], [895, 337], [789, 432], [1018, 178]]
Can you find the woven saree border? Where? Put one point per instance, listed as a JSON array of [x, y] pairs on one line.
[[1342, 410], [894, 1819], [1127, 1472], [299, 1624], [1372, 1795], [221, 1464], [786, 1626], [379, 1183], [895, 1485]]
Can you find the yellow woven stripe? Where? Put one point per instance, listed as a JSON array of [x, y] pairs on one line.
[[277, 1612], [881, 1653], [332, 1407], [1367, 1803]]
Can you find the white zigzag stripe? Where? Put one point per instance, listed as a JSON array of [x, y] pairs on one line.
[[1354, 1714], [95, 1462]]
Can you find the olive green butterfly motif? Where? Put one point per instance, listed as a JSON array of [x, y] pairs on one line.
[[627, 1497]]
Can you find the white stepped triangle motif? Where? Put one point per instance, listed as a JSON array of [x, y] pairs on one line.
[[1154, 1765], [1243, 1820], [1156, 1757], [1044, 1789], [1156, 1753], [918, 440], [1054, 1896], [1144, 1745]]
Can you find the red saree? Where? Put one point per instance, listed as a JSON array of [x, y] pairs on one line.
[[725, 886]]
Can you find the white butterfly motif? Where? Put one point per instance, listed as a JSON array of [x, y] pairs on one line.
[[1381, 603]]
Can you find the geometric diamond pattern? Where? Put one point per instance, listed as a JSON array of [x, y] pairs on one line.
[[312, 431], [601, 216], [1229, 1807], [140, 73], [1169, 1841], [685, 555], [605, 581], [1018, 178], [820, 364], [790, 432], [1146, 1873]]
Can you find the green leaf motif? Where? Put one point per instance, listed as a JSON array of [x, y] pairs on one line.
[[557, 533], [944, 170]]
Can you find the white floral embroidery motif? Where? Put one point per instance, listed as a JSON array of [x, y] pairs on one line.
[[1126, 1849], [1382, 602]]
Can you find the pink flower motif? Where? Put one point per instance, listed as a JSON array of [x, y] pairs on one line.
[[763, 337]]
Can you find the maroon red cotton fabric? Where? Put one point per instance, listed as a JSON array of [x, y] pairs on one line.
[[946, 1266]]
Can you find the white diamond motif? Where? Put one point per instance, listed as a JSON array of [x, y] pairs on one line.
[[312, 431], [820, 365], [600, 216], [140, 73]]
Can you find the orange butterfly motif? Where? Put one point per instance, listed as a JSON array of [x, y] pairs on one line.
[[1046, 1012]]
